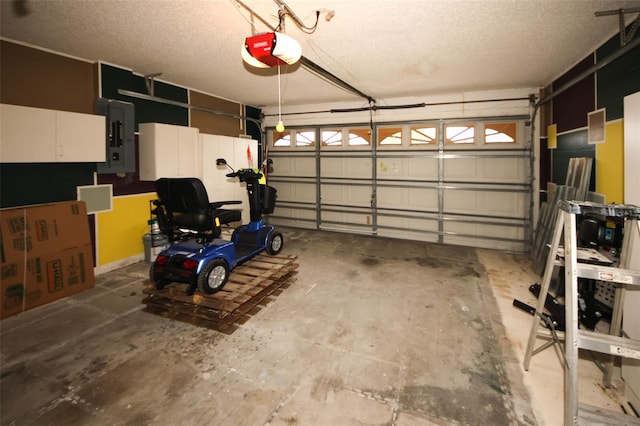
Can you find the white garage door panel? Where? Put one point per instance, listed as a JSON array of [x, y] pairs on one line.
[[294, 166], [414, 198], [423, 168], [392, 168], [299, 192], [484, 230], [290, 212], [423, 198], [281, 221], [418, 224], [346, 167], [484, 203], [502, 203], [344, 220], [460, 169], [418, 168], [332, 194], [483, 243], [392, 197], [346, 195], [503, 169], [409, 235]]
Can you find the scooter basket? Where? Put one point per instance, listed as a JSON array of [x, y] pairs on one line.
[[268, 196]]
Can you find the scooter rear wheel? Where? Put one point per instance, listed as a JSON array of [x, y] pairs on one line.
[[213, 277], [159, 284]]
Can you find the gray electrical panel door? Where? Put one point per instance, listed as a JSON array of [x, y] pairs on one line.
[[119, 140]]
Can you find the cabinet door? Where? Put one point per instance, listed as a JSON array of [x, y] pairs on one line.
[[188, 152], [165, 151], [80, 137], [27, 135], [147, 158], [168, 151]]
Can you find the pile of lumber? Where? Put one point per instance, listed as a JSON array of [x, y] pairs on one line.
[[576, 188]]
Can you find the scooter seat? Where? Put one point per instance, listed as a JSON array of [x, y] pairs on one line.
[[196, 221]]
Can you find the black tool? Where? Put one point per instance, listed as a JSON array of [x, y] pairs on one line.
[[551, 304], [546, 318]]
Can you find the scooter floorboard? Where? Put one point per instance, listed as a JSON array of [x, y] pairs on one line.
[[246, 250]]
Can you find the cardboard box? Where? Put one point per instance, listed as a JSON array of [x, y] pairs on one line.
[[45, 253]]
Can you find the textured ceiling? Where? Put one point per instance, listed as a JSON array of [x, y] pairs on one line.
[[386, 49]]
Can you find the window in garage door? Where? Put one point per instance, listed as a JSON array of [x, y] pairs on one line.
[[500, 132], [407, 135], [459, 134], [301, 138]]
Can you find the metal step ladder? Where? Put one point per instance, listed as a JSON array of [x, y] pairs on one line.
[[612, 344]]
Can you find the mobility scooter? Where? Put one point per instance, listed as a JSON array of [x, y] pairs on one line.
[[197, 255]]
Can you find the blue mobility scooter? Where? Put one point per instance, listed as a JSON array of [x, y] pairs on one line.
[[197, 255]]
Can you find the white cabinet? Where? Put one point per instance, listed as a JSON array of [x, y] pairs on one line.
[[167, 150], [37, 135], [27, 134], [80, 137]]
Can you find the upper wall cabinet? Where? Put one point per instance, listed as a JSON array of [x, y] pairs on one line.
[[37, 135], [168, 151]]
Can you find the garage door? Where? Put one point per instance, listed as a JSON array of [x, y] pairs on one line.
[[455, 182]]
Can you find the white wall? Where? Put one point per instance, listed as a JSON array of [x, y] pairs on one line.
[[219, 187], [631, 320]]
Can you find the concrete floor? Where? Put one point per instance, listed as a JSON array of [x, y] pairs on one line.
[[373, 331]]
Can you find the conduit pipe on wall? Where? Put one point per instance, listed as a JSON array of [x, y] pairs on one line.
[[596, 67], [189, 106]]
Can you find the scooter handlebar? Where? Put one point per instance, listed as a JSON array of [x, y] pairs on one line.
[[245, 174]]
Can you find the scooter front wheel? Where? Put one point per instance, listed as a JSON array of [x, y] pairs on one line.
[[213, 277], [275, 243]]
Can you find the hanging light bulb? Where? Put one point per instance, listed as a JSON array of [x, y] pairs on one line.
[[280, 127]]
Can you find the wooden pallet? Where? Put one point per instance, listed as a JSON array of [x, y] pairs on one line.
[[250, 285]]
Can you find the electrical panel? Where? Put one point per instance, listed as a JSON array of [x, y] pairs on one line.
[[119, 132]]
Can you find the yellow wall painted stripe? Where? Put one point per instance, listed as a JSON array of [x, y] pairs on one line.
[[120, 231], [610, 163]]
